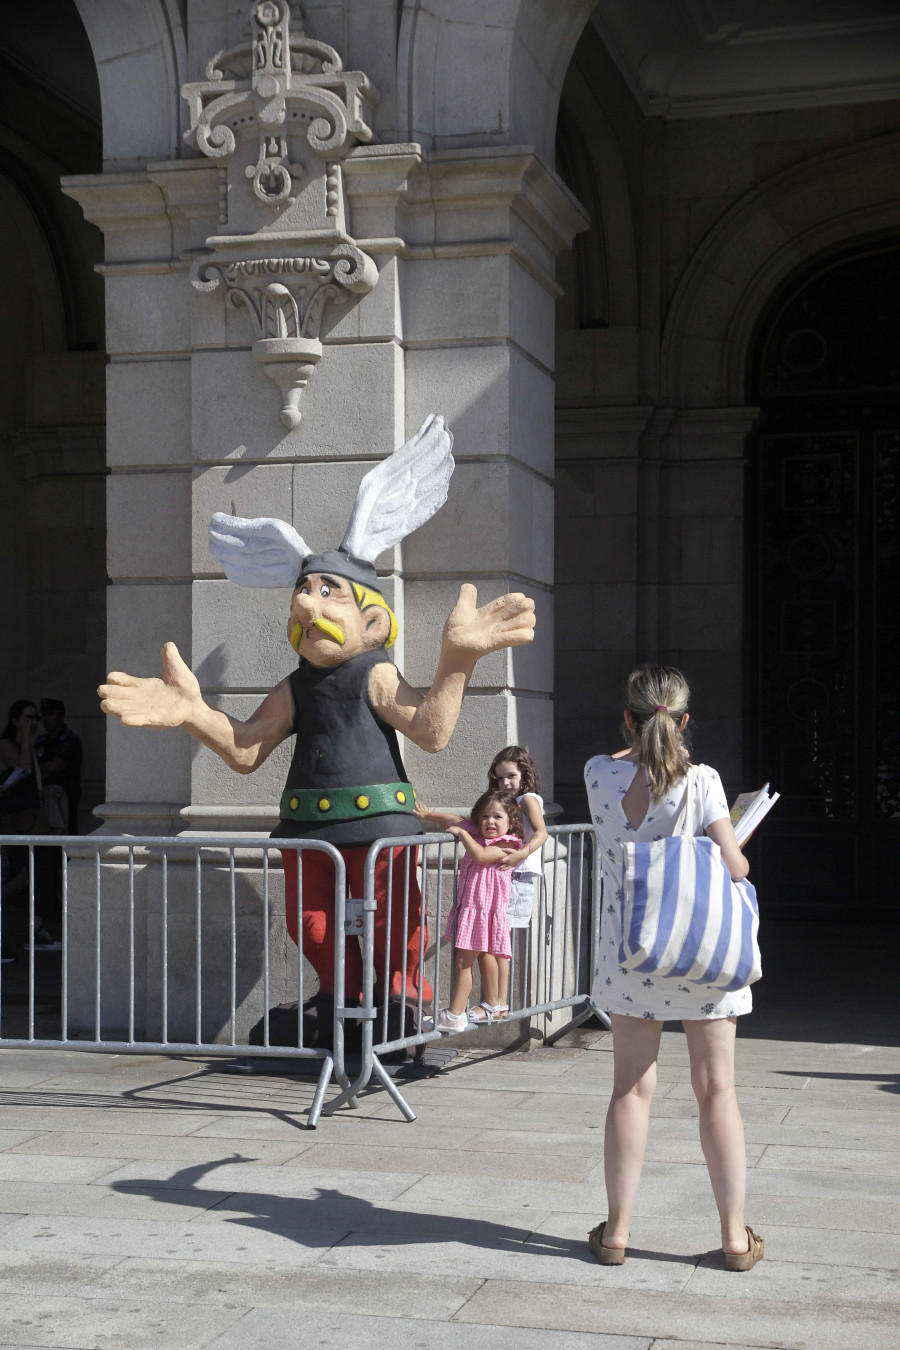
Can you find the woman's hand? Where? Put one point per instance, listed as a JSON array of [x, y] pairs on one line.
[[514, 856], [25, 726]]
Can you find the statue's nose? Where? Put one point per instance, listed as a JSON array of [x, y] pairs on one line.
[[303, 608]]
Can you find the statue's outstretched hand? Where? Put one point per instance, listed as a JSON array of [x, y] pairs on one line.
[[166, 702], [505, 622]]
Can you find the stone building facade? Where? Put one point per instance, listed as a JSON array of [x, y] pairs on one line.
[[573, 228]]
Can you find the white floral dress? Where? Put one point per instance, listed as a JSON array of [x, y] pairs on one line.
[[633, 993]]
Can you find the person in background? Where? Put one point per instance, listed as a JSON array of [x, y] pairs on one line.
[[18, 751], [59, 753]]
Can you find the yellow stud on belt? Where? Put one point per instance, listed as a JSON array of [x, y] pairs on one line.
[[324, 804], [401, 797], [294, 803], [362, 802]]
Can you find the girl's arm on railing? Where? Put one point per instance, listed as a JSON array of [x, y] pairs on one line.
[[443, 819]]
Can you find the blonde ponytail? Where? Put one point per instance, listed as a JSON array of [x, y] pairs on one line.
[[657, 698]]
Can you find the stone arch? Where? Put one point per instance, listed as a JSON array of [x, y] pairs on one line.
[[490, 77], [594, 169], [140, 50], [777, 228], [38, 275]]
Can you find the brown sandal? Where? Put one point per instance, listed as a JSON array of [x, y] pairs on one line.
[[607, 1256], [748, 1259]]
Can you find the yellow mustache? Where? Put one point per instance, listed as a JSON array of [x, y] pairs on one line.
[[325, 625]]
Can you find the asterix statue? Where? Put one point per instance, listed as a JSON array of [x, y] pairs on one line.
[[344, 702]]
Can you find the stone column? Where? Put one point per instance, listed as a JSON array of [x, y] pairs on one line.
[[650, 506], [701, 573]]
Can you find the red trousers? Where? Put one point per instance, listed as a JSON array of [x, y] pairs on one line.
[[319, 933]]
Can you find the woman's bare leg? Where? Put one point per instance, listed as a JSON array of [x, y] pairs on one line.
[[711, 1048], [635, 1049]]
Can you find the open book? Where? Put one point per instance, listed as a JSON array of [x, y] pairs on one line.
[[749, 809]]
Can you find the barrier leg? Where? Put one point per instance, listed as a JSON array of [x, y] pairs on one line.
[[324, 1079], [387, 1081]]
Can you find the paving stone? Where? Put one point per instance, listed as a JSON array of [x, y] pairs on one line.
[[374, 1293], [235, 1176], [445, 1162], [31, 1197], [263, 1328], [794, 1280], [12, 1138], [869, 1162], [264, 1239], [78, 1322], [550, 1260], [278, 1125], [864, 1216], [37, 1117], [23, 1167], [332, 1209], [813, 1116], [51, 1273], [587, 1143], [365, 1132], [80, 1143], [796, 1326], [11, 1079]]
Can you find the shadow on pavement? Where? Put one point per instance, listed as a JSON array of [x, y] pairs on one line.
[[301, 1218]]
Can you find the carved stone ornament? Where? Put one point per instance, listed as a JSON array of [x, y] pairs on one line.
[[279, 112]]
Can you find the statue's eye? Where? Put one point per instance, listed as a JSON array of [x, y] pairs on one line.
[[304, 590], [324, 590]]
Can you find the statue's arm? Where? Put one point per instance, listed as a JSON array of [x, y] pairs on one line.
[[175, 700], [425, 719], [469, 633]]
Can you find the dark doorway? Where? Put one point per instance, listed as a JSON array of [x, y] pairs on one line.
[[825, 633]]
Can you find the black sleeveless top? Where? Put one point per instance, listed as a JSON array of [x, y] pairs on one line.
[[342, 742]]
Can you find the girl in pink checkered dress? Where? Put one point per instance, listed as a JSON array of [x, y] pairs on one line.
[[478, 923]]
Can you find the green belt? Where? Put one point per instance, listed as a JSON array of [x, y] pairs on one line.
[[308, 805]]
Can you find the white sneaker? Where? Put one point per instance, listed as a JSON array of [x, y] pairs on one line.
[[449, 1022]]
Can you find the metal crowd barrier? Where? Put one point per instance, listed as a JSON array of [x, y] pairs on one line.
[[559, 952], [172, 945]]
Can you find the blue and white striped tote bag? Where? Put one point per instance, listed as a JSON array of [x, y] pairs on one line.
[[684, 917]]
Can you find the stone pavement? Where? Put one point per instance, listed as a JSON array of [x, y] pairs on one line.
[[166, 1203]]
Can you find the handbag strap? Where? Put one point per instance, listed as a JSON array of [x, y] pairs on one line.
[[684, 823]]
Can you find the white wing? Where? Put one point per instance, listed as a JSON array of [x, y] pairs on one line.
[[260, 552], [401, 492]]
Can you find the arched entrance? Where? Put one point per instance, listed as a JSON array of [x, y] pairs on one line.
[[52, 433], [825, 629]]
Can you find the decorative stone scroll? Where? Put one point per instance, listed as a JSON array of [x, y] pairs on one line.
[[284, 298], [278, 113]]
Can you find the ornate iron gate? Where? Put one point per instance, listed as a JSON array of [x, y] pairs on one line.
[[825, 638]]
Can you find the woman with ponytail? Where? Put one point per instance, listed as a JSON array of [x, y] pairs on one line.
[[636, 796]]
